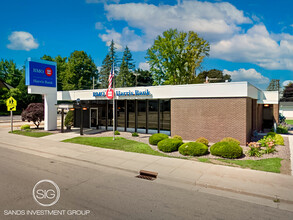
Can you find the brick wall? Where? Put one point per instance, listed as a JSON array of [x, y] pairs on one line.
[[212, 118], [276, 113]]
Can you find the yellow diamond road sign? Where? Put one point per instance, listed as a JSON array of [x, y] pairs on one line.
[[11, 104]]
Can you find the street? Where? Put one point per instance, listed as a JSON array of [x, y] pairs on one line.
[[112, 194]]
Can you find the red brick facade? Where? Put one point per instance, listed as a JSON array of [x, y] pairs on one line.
[[214, 118]]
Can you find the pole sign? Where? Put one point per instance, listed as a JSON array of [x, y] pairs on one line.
[[40, 73], [11, 104]]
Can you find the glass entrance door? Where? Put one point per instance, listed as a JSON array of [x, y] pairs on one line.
[[94, 118]]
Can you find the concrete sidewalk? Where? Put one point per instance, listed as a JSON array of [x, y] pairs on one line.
[[265, 185]]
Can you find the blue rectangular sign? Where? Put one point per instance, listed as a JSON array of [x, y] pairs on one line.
[[40, 73]]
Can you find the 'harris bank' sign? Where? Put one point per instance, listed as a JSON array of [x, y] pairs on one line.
[[40, 73], [129, 93]]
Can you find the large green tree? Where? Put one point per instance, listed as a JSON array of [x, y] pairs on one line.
[[79, 72], [214, 75], [110, 59], [288, 93], [144, 77], [9, 72], [125, 78], [175, 56]]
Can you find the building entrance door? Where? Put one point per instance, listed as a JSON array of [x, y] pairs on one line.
[[94, 118]]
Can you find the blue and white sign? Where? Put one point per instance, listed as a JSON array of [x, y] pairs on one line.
[[40, 73], [128, 93]]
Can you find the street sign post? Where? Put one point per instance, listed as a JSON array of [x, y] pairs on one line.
[[11, 104]]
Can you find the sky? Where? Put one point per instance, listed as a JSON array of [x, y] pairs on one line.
[[252, 40]]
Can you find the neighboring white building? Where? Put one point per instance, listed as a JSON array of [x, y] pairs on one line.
[[286, 109]]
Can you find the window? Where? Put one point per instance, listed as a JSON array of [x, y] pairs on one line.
[[165, 117], [141, 115], [153, 115]]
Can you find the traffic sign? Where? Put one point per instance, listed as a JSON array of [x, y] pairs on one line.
[[11, 104]]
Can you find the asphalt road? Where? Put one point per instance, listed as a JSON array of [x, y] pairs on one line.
[[110, 194]]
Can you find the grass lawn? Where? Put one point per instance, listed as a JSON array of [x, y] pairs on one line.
[[269, 165], [119, 144], [31, 133], [290, 122]]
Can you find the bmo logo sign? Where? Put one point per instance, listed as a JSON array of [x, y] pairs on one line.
[[46, 193], [48, 71]]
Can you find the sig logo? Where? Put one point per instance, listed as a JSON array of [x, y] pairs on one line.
[[48, 71], [46, 193]]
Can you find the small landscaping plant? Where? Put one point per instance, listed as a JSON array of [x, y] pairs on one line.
[[177, 137], [156, 138], [25, 127], [193, 149], [282, 129], [135, 134], [117, 132], [230, 139], [169, 144], [227, 149], [69, 120], [255, 149], [268, 143], [203, 141]]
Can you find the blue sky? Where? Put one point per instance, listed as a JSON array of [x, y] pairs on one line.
[[252, 40]]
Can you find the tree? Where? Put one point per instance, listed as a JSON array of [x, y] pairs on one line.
[[274, 85], [34, 112], [175, 56], [144, 77], [9, 72], [79, 72], [214, 75], [125, 78], [288, 93], [109, 60]]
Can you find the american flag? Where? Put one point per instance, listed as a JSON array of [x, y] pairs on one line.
[[111, 76]]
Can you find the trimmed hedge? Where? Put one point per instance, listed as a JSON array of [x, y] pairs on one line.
[[134, 134], [226, 150], [69, 119], [230, 139], [178, 137], [193, 149], [156, 138], [169, 144], [25, 127], [202, 140], [117, 132]]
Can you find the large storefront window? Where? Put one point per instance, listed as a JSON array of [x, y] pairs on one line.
[[131, 115], [153, 116], [120, 115], [110, 115], [141, 116], [165, 117]]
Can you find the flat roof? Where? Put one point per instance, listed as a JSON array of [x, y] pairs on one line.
[[205, 90]]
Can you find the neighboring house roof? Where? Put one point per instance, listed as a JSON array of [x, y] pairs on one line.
[[5, 85]]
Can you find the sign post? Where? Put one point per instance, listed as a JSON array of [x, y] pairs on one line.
[[11, 104]]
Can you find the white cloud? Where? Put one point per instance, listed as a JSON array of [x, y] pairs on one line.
[[144, 66], [101, 1], [250, 75], [285, 83], [257, 46], [126, 38], [99, 26], [209, 20], [20, 40]]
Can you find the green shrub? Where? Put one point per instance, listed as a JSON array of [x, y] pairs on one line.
[[25, 127], [69, 119], [177, 137], [230, 139], [279, 140], [227, 149], [193, 149], [203, 141], [135, 134], [156, 138], [117, 132], [169, 144], [282, 129]]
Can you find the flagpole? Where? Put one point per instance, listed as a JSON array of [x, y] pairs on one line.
[[113, 103]]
